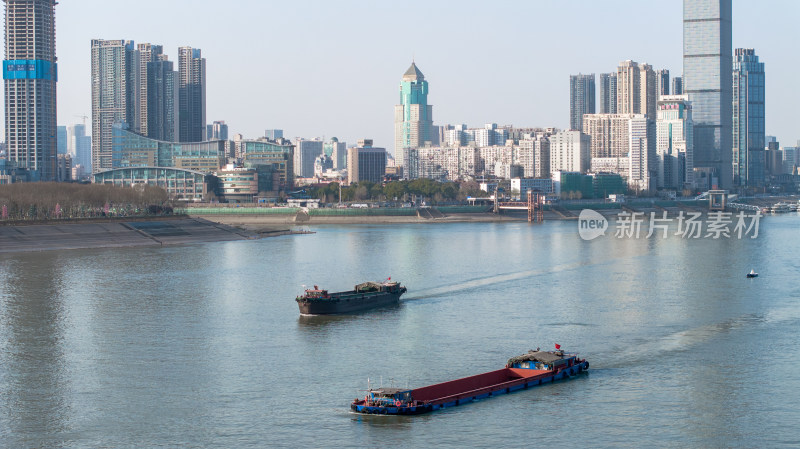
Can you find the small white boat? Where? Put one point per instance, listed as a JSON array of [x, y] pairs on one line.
[[752, 274]]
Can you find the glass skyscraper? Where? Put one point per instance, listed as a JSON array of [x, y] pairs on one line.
[[707, 79], [748, 119]]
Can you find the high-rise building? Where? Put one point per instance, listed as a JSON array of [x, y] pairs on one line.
[[569, 151], [581, 99], [305, 152], [217, 130], [674, 142], [160, 105], [622, 144], [608, 93], [113, 86], [191, 95], [707, 79], [30, 76], [61, 140], [636, 89], [628, 86], [337, 152], [662, 83], [413, 117], [677, 85], [366, 163], [642, 156], [144, 55], [273, 134], [748, 119], [79, 146]]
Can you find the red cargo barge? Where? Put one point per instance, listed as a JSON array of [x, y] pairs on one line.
[[520, 373]]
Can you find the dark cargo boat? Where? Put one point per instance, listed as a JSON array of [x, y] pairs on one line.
[[520, 373], [367, 295]]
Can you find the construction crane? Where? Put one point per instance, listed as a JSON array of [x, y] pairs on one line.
[[84, 117]]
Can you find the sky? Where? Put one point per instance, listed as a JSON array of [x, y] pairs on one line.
[[333, 68]]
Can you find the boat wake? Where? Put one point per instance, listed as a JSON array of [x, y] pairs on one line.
[[491, 280], [676, 342]]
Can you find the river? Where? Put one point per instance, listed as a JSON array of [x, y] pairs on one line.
[[202, 345]]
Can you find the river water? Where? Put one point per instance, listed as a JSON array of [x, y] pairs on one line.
[[203, 346]]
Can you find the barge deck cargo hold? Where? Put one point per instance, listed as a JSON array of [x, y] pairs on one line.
[[528, 370]]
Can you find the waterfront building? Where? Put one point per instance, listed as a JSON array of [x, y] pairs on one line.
[[112, 95], [30, 77], [274, 160], [581, 99], [662, 83], [708, 80], [674, 143], [179, 183], [570, 151], [605, 184], [622, 144], [443, 163], [366, 163], [191, 95], [677, 85], [237, 185], [305, 152], [134, 150], [748, 119], [523, 185], [572, 184], [608, 93], [413, 117], [61, 140]]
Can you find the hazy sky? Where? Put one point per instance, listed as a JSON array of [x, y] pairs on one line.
[[332, 68]]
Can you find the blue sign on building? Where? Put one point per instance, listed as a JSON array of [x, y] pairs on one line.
[[31, 69]]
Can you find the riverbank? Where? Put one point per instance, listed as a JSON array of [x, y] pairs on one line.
[[120, 234]]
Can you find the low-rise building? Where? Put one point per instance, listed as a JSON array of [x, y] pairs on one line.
[[179, 183], [523, 185]]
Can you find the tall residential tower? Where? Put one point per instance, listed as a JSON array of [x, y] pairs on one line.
[[30, 76], [191, 95], [113, 100], [608, 93], [581, 99], [707, 79]]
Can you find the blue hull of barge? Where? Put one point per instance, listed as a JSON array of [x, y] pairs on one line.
[[523, 384]]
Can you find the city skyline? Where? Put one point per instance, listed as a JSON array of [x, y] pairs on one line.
[[298, 82]]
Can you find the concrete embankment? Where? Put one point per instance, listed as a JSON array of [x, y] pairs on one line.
[[117, 234]]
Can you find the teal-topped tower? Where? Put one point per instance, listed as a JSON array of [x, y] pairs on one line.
[[413, 117]]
